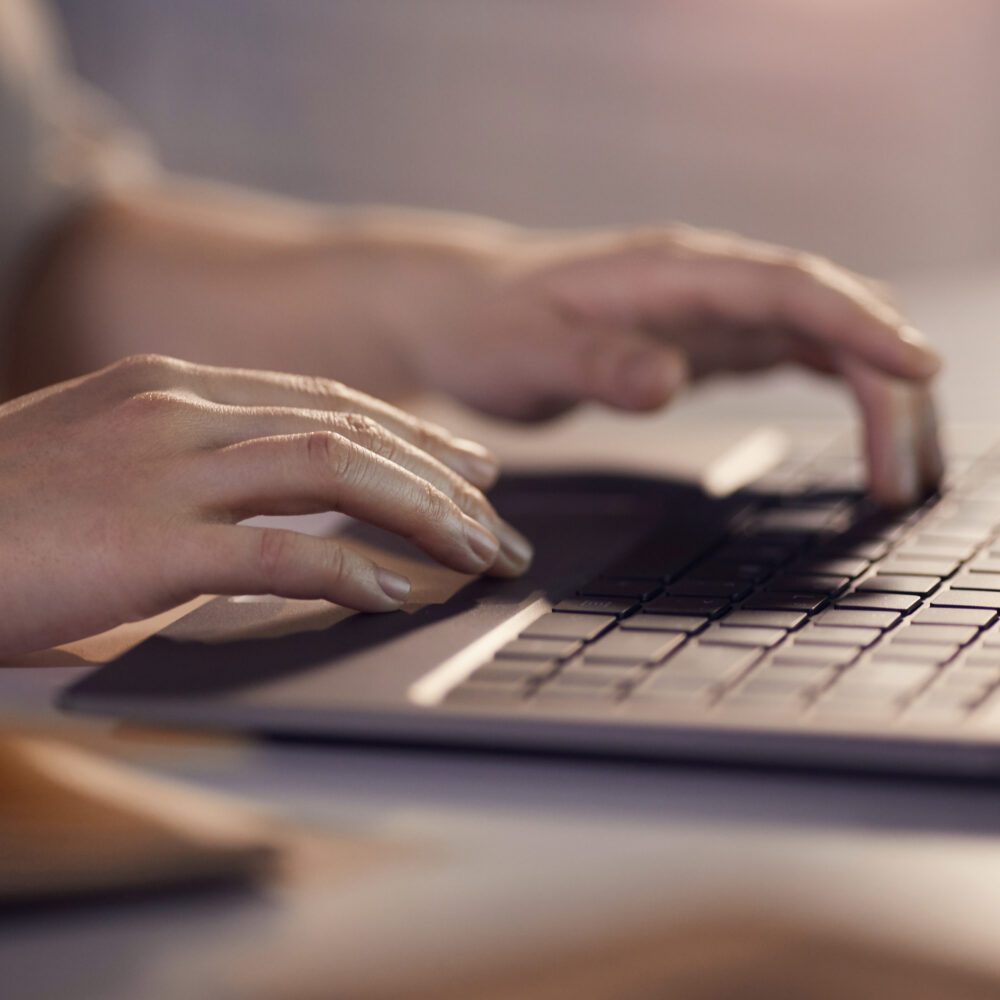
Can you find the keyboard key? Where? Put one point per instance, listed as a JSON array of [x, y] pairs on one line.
[[770, 707], [949, 598], [668, 683], [981, 658], [847, 548], [915, 632], [639, 590], [801, 674], [644, 622], [706, 607], [558, 625], [763, 619], [892, 583], [770, 554], [579, 676], [799, 583], [717, 662], [833, 567], [781, 601], [918, 565], [538, 649], [985, 563], [719, 635], [794, 655], [976, 581], [953, 616], [939, 707], [824, 635], [715, 569], [770, 687], [512, 671], [902, 674], [987, 712], [830, 657], [573, 699], [838, 617], [878, 602], [911, 653], [632, 647], [487, 696], [929, 546], [874, 710], [968, 677], [597, 605], [731, 590], [790, 519]]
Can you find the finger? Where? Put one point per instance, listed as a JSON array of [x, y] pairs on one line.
[[232, 424], [245, 387], [816, 301], [324, 471], [230, 559], [902, 448], [657, 285], [620, 367]]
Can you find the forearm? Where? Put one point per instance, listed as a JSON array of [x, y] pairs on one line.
[[221, 276]]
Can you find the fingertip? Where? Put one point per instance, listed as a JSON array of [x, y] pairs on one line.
[[649, 378], [919, 357], [516, 553], [477, 464], [394, 586]]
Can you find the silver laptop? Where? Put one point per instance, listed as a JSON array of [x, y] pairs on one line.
[[789, 623]]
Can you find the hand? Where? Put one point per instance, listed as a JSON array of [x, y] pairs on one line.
[[629, 318], [121, 492]]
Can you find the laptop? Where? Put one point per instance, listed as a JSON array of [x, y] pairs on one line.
[[785, 622]]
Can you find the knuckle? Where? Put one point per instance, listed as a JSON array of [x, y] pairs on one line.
[[328, 452], [469, 499], [144, 371], [336, 563], [366, 430], [429, 437], [432, 505], [797, 266], [320, 388], [154, 404], [274, 550]]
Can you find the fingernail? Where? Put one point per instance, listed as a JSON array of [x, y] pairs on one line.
[[482, 542], [480, 465], [924, 359], [515, 546], [479, 471], [394, 586]]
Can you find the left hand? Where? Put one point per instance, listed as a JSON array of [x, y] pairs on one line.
[[628, 318]]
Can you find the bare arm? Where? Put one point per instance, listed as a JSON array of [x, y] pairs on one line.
[[516, 322], [224, 276]]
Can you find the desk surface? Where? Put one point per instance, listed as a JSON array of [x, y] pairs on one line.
[[510, 851]]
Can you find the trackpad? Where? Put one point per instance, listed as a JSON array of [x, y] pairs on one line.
[[304, 653]]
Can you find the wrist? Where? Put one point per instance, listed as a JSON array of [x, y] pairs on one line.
[[405, 280]]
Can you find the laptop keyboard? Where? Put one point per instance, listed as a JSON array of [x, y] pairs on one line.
[[813, 607]]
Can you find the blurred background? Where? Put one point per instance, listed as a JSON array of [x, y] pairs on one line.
[[863, 129]]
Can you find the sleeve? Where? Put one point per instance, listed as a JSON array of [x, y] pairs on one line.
[[61, 142]]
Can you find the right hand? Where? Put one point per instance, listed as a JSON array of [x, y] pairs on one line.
[[121, 492]]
